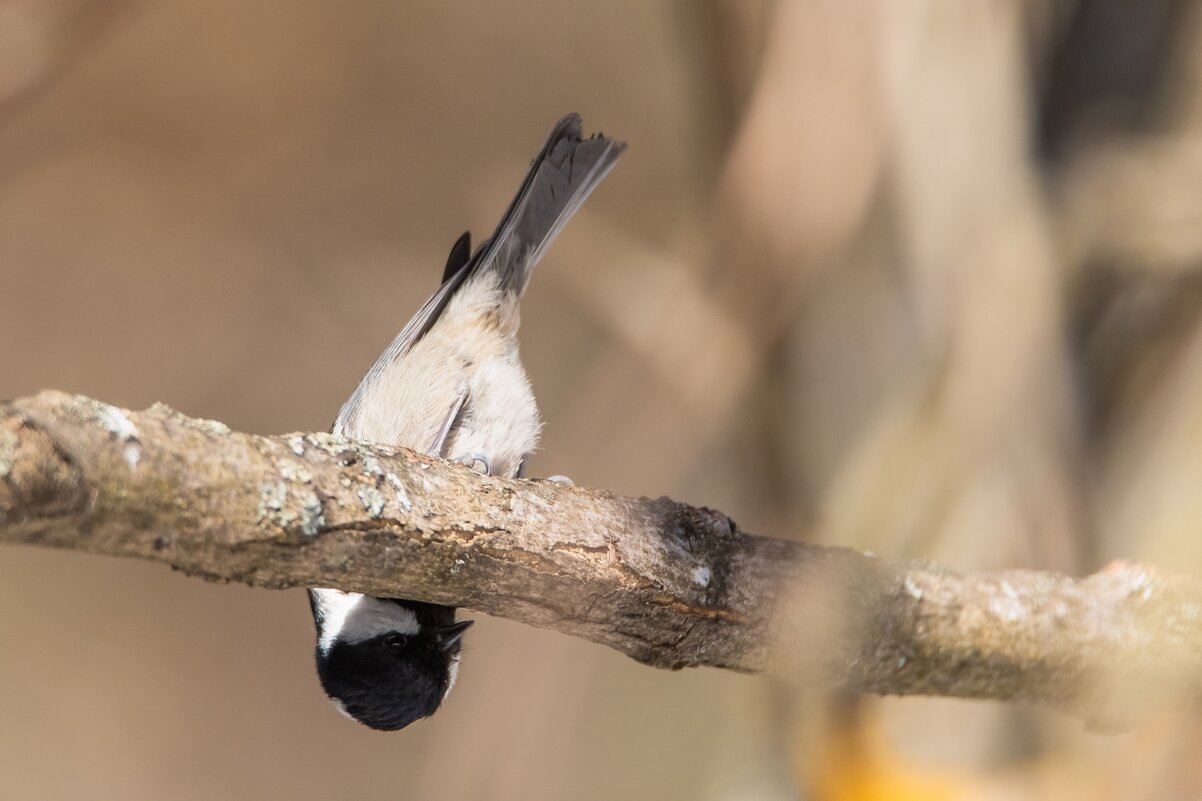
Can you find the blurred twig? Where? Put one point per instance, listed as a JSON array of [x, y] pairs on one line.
[[668, 584]]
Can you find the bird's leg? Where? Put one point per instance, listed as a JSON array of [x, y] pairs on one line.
[[444, 432], [440, 440]]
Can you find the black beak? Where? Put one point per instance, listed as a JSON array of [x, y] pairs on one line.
[[448, 636]]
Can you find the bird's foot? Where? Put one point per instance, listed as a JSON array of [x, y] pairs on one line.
[[474, 458]]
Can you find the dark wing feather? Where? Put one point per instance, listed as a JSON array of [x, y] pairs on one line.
[[461, 253]]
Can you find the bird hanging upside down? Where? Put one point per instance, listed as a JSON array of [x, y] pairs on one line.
[[452, 385]]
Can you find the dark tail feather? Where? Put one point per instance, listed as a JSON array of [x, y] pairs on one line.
[[561, 177]]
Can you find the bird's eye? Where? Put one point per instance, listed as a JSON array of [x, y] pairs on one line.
[[395, 640]]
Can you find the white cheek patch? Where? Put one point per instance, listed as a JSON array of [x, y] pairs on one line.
[[341, 707], [352, 617], [453, 674]]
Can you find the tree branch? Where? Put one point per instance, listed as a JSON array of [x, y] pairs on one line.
[[670, 585]]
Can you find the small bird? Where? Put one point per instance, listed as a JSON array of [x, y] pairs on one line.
[[452, 385]]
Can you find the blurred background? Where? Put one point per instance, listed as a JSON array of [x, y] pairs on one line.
[[914, 276]]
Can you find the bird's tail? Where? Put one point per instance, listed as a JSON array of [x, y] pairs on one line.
[[561, 177]]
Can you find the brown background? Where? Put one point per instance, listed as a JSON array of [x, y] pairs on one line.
[[917, 277]]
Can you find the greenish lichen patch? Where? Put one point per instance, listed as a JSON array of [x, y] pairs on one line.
[[331, 444], [290, 507], [278, 506], [272, 497], [292, 471], [402, 497], [116, 422], [372, 499], [312, 517]]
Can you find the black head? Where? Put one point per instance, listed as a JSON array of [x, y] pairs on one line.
[[387, 666]]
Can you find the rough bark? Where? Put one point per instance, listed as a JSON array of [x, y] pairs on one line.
[[668, 584]]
